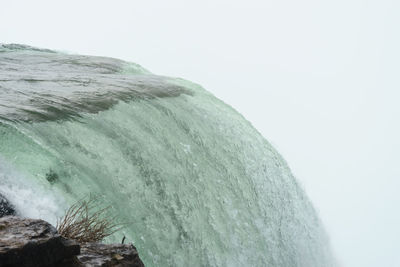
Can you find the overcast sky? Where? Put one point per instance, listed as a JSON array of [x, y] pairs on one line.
[[319, 79]]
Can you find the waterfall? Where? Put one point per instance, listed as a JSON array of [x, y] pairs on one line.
[[197, 184]]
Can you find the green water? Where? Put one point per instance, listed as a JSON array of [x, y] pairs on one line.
[[197, 183]]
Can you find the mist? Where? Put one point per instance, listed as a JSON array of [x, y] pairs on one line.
[[318, 79]]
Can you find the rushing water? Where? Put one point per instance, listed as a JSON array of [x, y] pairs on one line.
[[197, 183]]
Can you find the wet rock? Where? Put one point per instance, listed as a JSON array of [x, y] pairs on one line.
[[28, 242], [120, 255], [5, 207], [35, 243]]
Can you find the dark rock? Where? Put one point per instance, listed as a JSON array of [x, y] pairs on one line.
[[35, 243], [120, 255], [5, 207], [28, 242]]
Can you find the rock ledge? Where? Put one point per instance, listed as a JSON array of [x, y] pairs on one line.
[[36, 243]]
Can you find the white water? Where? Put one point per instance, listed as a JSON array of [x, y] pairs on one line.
[[29, 199]]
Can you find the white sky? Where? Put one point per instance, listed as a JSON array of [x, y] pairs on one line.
[[319, 79]]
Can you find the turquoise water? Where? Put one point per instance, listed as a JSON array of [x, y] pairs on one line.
[[197, 183]]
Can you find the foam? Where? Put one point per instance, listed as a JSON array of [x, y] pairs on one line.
[[29, 199]]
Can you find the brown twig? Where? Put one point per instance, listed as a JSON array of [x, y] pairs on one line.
[[85, 221]]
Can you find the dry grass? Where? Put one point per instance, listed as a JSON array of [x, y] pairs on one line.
[[87, 221]]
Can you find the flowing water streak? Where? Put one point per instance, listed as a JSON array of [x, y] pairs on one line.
[[198, 184]]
